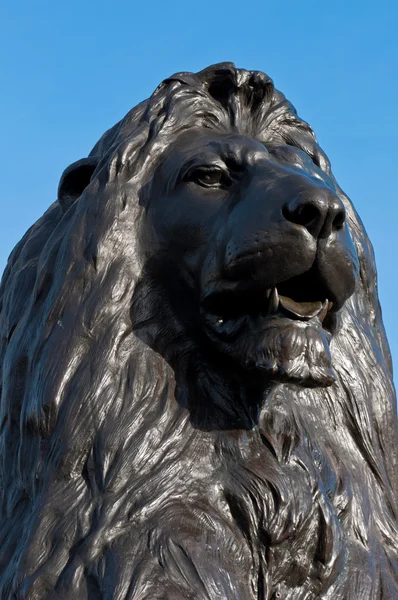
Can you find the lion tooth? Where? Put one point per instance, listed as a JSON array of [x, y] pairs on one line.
[[273, 301], [268, 292], [220, 321], [322, 314]]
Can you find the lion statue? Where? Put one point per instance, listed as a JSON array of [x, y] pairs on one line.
[[197, 398]]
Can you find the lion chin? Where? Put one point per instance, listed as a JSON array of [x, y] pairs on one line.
[[284, 341], [292, 352]]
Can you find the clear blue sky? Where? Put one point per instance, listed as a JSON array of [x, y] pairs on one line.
[[71, 68]]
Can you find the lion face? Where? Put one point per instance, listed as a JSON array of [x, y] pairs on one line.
[[259, 236]]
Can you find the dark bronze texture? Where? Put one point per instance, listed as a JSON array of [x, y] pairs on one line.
[[197, 397]]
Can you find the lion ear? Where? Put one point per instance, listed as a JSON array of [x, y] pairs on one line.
[[74, 180]]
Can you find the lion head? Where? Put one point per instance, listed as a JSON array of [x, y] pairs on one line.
[[197, 396], [257, 236]]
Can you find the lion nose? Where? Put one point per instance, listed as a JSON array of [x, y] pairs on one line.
[[319, 212]]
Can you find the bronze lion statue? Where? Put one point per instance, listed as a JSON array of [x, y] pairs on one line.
[[197, 397]]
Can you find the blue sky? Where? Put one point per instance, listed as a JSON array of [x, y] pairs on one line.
[[71, 69]]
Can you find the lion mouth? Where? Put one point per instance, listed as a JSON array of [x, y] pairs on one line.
[[278, 331], [227, 312]]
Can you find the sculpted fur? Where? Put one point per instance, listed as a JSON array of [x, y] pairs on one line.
[[197, 397]]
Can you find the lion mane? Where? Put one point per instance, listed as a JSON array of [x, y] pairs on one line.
[[121, 477]]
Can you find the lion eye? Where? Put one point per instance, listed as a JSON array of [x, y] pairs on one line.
[[207, 177]]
